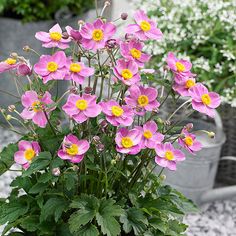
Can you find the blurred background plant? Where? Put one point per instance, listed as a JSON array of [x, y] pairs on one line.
[[36, 10], [203, 30]]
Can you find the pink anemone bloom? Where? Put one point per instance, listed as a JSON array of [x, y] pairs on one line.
[[181, 68], [52, 67], [94, 36], [128, 141], [168, 156], [78, 71], [189, 142], [73, 149], [8, 64], [127, 72], [81, 108], [27, 152], [150, 136], [142, 99], [144, 28], [116, 114], [132, 50], [183, 85], [204, 101], [53, 39], [35, 107]]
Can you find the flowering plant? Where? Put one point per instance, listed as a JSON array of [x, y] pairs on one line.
[[87, 162], [203, 31]]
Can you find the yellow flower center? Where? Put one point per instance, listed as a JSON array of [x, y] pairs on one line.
[[180, 67], [145, 26], [37, 106], [74, 67], [56, 36], [81, 104], [29, 154], [147, 134], [52, 66], [97, 35], [126, 74], [72, 150], [143, 100], [117, 111], [126, 142], [206, 99], [188, 141], [169, 155], [135, 53], [10, 61], [189, 83]]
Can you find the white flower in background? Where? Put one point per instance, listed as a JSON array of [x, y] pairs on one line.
[[203, 30]]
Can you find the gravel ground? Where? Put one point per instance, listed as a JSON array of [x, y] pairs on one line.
[[217, 218]]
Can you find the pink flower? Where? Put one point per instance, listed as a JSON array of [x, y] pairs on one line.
[[27, 152], [35, 106], [132, 50], [116, 114], [53, 39], [204, 101], [24, 69], [80, 108], [78, 71], [73, 149], [127, 141], [74, 34], [168, 156], [144, 28], [181, 68], [150, 136], [52, 67], [95, 35], [142, 99], [127, 72], [183, 85], [8, 64], [188, 141]]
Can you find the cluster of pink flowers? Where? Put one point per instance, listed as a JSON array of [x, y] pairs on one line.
[[138, 100]]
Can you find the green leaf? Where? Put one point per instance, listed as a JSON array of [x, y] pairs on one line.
[[7, 157], [38, 188], [30, 223], [10, 212], [22, 182], [135, 220], [88, 230], [53, 207], [39, 163]]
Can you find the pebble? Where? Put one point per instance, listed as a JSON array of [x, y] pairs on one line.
[[217, 219]]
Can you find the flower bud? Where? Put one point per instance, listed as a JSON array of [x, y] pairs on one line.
[[113, 162], [81, 22], [75, 168], [8, 117], [104, 124], [26, 48], [74, 90], [163, 177], [111, 43], [100, 147], [65, 35], [96, 139], [211, 134], [24, 69], [189, 126], [14, 55], [11, 108], [56, 171], [107, 3], [88, 90], [124, 16]]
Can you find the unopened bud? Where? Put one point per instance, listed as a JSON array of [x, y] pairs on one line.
[[100, 147], [107, 3], [74, 90], [211, 134], [14, 55], [163, 177], [75, 168], [124, 16], [189, 126], [96, 139], [26, 48], [88, 90], [56, 171], [81, 22], [11, 108], [8, 117], [111, 43], [65, 35], [113, 161], [104, 124]]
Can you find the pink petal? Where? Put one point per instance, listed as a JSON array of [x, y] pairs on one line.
[[43, 36], [19, 158], [40, 119], [56, 28]]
